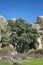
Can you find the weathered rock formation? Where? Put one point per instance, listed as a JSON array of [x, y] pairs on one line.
[[2, 20], [13, 19], [39, 26], [40, 20], [2, 24], [39, 43]]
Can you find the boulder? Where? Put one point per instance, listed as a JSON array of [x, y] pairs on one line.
[[37, 26], [13, 19], [40, 20], [2, 20], [39, 43]]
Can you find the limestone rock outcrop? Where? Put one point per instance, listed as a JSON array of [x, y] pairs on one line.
[[39, 44], [2, 24], [39, 26], [13, 19], [40, 21], [2, 20]]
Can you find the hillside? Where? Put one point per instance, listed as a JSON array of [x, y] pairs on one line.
[[19, 39]]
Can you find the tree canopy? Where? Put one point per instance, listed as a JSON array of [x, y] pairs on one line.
[[23, 34], [20, 34]]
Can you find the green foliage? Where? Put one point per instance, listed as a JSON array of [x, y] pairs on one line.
[[23, 34], [20, 34], [4, 36]]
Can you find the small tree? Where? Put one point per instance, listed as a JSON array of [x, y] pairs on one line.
[[23, 34]]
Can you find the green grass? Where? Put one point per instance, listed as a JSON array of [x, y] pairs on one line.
[[5, 62], [33, 61]]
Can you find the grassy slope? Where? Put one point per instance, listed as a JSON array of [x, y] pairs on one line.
[[33, 62], [4, 62]]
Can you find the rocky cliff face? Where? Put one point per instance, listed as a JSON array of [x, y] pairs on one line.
[[39, 26], [40, 22], [2, 20], [2, 24], [40, 19]]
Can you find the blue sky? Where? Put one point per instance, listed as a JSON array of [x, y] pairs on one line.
[[26, 9]]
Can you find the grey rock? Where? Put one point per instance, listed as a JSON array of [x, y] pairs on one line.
[[40, 20], [2, 20], [37, 26]]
